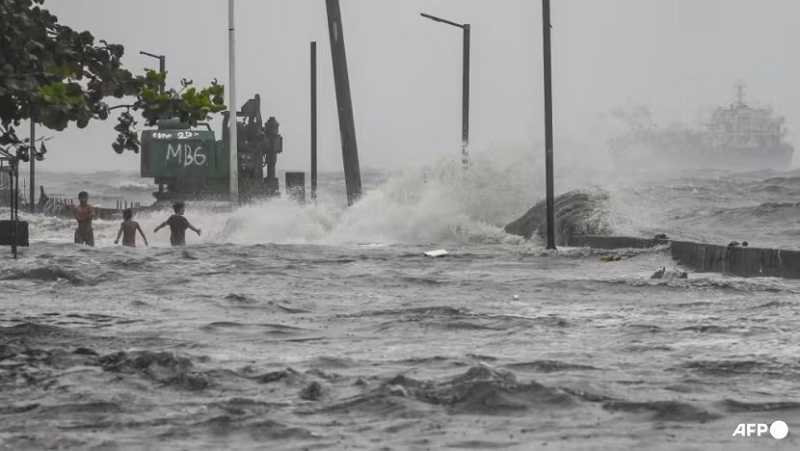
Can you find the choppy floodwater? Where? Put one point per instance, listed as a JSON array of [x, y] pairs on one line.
[[345, 336]]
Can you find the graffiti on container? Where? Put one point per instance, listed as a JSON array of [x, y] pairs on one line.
[[186, 155], [179, 135]]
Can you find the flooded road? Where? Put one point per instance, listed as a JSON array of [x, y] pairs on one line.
[[377, 346], [319, 328]]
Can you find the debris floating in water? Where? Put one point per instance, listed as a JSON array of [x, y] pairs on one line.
[[611, 258], [437, 253], [664, 273]]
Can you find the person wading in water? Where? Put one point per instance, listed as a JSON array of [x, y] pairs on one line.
[[84, 213], [177, 225], [128, 230]]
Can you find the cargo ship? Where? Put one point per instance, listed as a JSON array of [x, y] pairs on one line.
[[737, 137]]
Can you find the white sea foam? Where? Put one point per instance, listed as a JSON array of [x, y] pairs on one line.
[[444, 204], [432, 205]]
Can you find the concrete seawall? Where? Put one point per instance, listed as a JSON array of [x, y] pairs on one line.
[[700, 257], [614, 242], [738, 261]]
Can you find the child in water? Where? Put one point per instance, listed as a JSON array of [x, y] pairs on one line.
[[84, 213], [177, 226], [128, 230]]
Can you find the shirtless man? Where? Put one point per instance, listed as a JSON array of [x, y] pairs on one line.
[[128, 230], [84, 213]]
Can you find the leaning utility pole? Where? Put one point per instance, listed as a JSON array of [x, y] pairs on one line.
[[347, 127], [548, 125], [233, 141]]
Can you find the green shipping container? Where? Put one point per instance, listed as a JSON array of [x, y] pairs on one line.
[[183, 153]]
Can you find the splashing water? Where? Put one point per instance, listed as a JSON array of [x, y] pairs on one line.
[[443, 204], [439, 204]]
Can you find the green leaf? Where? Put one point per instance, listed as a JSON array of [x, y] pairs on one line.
[[65, 76]]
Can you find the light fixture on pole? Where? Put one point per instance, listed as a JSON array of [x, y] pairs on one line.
[[465, 84], [162, 65]]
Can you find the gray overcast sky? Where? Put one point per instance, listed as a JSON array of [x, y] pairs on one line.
[[677, 56]]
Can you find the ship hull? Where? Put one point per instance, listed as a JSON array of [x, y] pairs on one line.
[[647, 157]]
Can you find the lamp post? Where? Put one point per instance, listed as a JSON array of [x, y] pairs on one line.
[[162, 65], [548, 123], [465, 84], [233, 142], [314, 121]]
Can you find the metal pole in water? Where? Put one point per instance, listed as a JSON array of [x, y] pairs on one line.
[[11, 204], [465, 99], [314, 121], [15, 206], [465, 84], [232, 122], [347, 126], [548, 113], [33, 167]]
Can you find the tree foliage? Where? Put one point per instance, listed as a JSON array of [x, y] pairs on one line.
[[55, 76]]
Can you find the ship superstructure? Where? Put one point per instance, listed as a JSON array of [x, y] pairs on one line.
[[737, 137]]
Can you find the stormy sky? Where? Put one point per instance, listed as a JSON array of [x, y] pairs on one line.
[[680, 57]]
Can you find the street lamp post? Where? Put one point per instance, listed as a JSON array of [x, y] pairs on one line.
[[314, 121], [233, 143], [465, 84], [162, 65], [162, 69]]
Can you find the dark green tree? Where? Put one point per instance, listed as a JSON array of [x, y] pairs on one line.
[[55, 76]]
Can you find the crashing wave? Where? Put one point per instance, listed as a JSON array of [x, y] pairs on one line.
[[576, 213]]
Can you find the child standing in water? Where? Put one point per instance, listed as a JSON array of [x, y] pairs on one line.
[[84, 213], [178, 225], [128, 230]]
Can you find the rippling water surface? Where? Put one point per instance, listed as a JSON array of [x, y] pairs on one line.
[[315, 327]]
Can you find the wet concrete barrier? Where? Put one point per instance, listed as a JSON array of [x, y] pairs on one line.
[[701, 257], [614, 242], [738, 261]]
